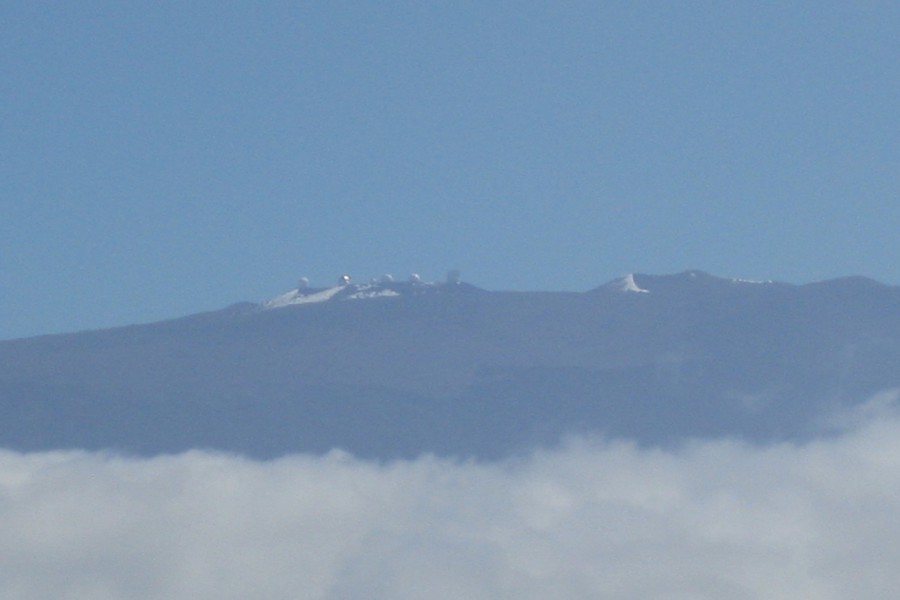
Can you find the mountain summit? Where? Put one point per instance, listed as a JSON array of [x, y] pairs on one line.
[[386, 368], [385, 287]]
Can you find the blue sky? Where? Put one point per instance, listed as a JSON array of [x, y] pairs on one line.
[[159, 159]]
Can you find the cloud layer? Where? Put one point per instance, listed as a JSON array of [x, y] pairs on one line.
[[591, 519]]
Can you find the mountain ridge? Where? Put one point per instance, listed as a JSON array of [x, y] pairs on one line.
[[454, 369]]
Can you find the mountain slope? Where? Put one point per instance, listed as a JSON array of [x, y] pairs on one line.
[[396, 369]]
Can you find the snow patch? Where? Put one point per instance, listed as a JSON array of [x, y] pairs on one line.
[[366, 294], [628, 284], [298, 297], [339, 292]]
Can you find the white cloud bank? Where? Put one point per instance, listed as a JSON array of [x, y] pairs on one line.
[[589, 520]]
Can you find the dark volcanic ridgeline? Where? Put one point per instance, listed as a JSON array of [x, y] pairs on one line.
[[397, 369]]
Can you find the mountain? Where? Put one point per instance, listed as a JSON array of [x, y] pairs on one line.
[[388, 369]]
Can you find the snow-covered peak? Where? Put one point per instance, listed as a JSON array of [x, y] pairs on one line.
[[628, 284], [303, 296], [384, 288]]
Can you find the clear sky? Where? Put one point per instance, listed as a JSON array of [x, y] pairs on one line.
[[162, 158]]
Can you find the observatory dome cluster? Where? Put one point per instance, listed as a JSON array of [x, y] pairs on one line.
[[453, 277], [344, 289]]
